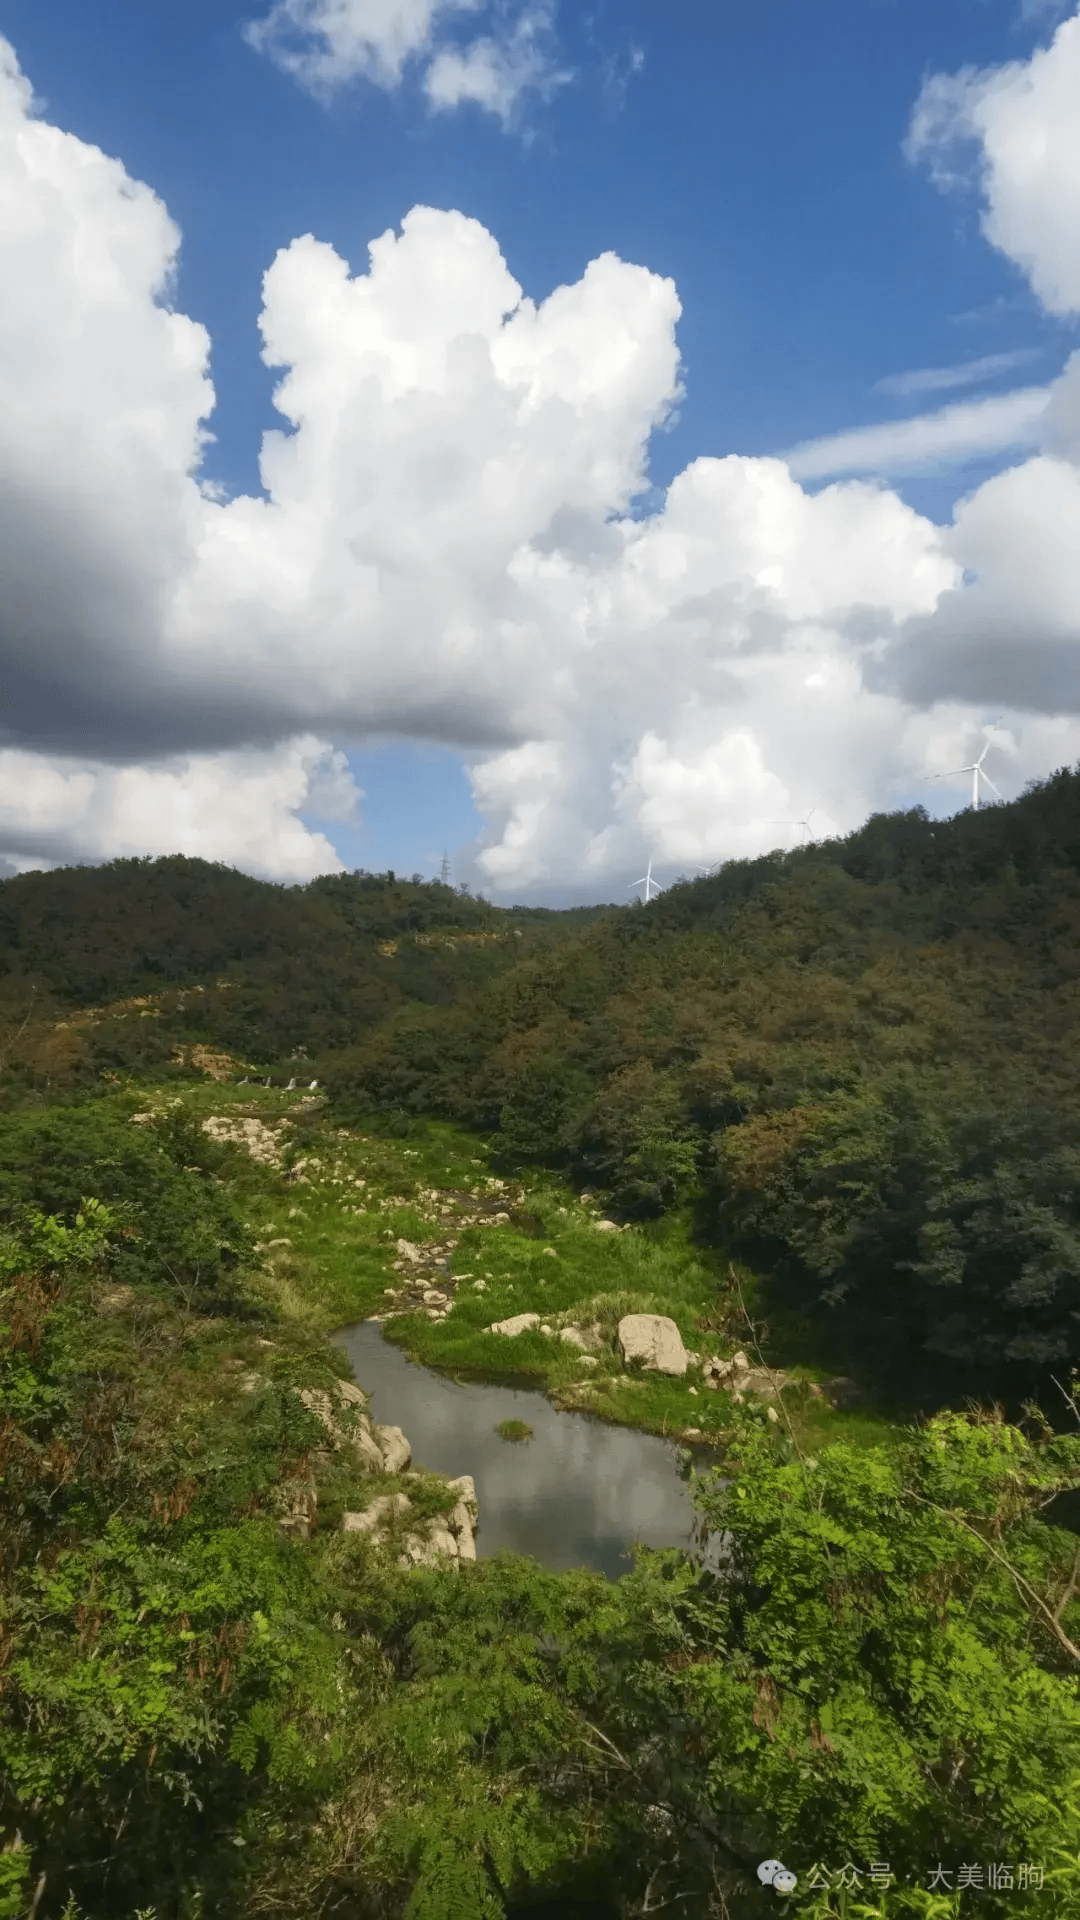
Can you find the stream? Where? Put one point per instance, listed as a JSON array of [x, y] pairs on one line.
[[578, 1494]]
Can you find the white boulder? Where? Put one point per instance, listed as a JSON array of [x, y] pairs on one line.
[[394, 1448], [654, 1340], [519, 1323]]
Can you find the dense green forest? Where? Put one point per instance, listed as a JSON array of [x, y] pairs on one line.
[[860, 1062], [848, 1076], [156, 951]]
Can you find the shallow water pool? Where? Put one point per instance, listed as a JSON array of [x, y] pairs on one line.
[[578, 1494]]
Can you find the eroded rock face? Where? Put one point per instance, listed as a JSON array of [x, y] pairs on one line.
[[394, 1447], [296, 1504], [654, 1340], [383, 1507], [377, 1449]]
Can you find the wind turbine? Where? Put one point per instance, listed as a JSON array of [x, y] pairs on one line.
[[976, 770], [646, 881], [804, 824]]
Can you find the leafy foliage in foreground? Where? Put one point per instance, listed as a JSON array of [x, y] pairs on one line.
[[200, 1717]]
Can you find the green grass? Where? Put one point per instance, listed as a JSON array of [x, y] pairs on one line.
[[339, 1264], [514, 1430]]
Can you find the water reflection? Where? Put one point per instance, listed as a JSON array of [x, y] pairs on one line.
[[576, 1495]]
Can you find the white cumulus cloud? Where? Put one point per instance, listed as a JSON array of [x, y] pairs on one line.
[[325, 44], [1022, 121], [239, 807], [451, 546], [1011, 633]]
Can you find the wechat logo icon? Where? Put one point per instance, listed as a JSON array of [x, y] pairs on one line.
[[773, 1873]]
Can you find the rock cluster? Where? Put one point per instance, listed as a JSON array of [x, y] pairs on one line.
[[583, 1338], [347, 1424], [263, 1143], [377, 1449], [448, 1537], [427, 1283], [737, 1377]]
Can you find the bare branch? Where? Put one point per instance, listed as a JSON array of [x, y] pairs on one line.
[[1069, 1399], [1052, 1620], [1070, 1588], [763, 1362]]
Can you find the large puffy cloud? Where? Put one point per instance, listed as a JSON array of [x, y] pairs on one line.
[[238, 807], [451, 545], [103, 392], [1022, 119], [1011, 632]]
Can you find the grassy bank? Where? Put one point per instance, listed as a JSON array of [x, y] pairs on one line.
[[328, 1223]]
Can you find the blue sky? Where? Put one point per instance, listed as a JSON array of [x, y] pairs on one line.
[[758, 157]]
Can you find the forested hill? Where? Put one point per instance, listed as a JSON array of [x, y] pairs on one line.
[[860, 1063], [175, 951]]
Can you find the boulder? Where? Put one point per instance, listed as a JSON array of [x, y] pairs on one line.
[[466, 1544], [587, 1339], [463, 1521], [394, 1448], [604, 1226], [519, 1323], [448, 1538], [465, 1488], [369, 1453], [654, 1340], [765, 1381]]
